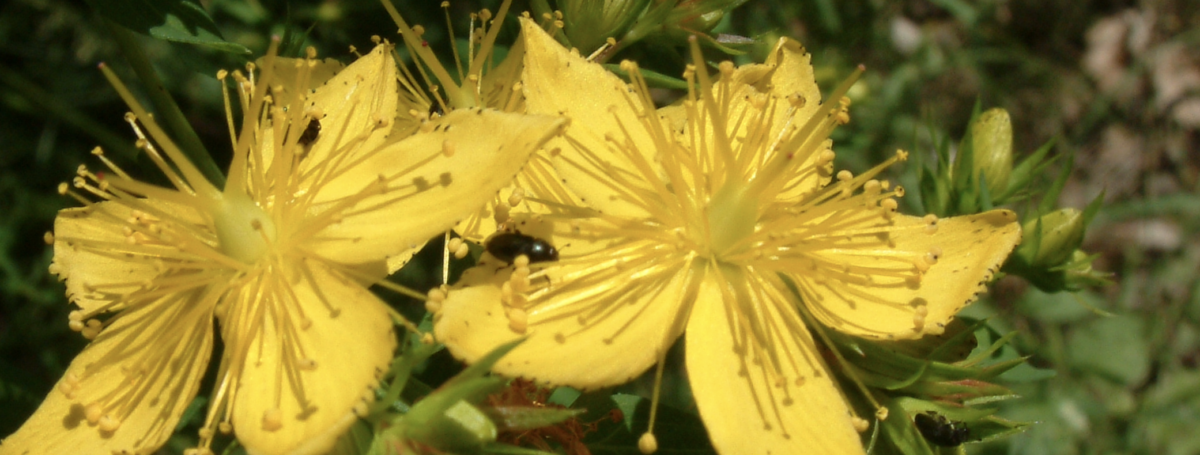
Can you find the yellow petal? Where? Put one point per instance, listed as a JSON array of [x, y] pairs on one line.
[[140, 373], [288, 73], [629, 316], [970, 250], [558, 82], [300, 383], [743, 408], [91, 252], [358, 106], [427, 191]]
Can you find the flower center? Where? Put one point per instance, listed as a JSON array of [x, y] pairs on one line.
[[732, 215], [244, 230]]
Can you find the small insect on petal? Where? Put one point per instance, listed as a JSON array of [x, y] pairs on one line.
[[506, 246], [310, 132]]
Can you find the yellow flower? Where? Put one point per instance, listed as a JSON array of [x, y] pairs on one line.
[[280, 259], [717, 216], [483, 82]]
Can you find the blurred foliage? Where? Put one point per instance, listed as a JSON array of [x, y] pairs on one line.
[[1115, 83]]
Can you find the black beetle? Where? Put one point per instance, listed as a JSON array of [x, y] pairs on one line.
[[310, 132], [940, 430], [506, 246]]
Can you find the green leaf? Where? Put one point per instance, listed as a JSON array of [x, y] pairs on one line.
[[1113, 347], [183, 21]]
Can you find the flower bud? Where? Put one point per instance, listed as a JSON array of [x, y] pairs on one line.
[[992, 144], [588, 23], [1061, 233]]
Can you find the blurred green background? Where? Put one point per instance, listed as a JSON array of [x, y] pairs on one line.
[[1118, 82]]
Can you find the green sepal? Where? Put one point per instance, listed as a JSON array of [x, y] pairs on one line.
[[521, 418], [653, 79]]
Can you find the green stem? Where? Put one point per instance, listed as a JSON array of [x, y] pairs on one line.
[[169, 114]]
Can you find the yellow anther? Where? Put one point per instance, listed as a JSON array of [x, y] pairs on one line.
[[844, 175], [759, 101], [521, 261], [797, 100], [516, 197], [518, 320], [826, 157], [872, 187], [272, 419], [93, 412], [726, 68], [448, 148], [931, 223], [225, 427], [108, 424], [930, 258], [881, 413], [860, 425], [501, 213], [647, 444]]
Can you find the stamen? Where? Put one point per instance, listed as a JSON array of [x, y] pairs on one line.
[[194, 177], [647, 443]]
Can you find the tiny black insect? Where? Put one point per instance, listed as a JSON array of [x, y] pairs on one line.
[[940, 430], [506, 246], [310, 132]]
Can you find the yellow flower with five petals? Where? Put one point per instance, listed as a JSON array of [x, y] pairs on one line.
[[280, 259], [719, 217]]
